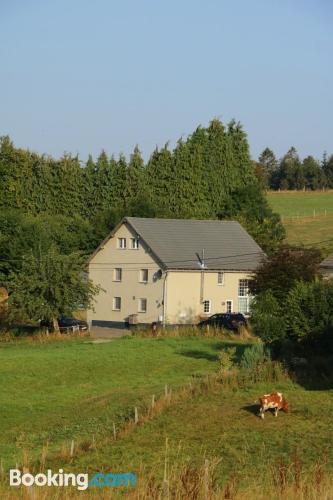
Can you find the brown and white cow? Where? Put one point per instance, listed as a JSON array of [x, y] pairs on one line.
[[274, 400]]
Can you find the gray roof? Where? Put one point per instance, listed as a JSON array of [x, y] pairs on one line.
[[177, 243], [328, 262]]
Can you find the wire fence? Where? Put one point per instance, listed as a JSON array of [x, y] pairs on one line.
[[313, 214]]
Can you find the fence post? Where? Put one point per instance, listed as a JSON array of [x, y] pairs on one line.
[[136, 415], [72, 448], [114, 431], [153, 401]]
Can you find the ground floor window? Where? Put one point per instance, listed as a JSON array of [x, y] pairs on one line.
[[116, 303], [244, 297], [244, 304], [142, 306], [207, 305], [229, 306]]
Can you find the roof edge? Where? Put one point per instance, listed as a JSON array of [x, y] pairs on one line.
[[113, 232]]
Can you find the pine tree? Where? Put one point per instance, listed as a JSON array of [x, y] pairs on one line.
[[269, 165], [328, 170], [291, 175], [313, 173], [158, 175], [134, 179], [120, 169], [218, 166]]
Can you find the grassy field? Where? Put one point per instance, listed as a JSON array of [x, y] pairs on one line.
[[52, 393], [75, 390], [307, 217], [223, 425], [301, 203]]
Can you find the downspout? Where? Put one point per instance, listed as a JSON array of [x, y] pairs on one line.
[[202, 275], [202, 284], [165, 298]]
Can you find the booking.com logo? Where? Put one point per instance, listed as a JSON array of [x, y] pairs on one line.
[[63, 479]]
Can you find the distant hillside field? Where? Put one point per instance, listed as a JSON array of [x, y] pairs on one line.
[[301, 203], [307, 216]]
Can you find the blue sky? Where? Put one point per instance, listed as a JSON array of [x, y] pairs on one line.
[[82, 75]]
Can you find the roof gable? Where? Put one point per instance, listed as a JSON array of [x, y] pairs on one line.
[[179, 243]]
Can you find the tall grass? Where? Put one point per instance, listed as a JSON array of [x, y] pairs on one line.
[[277, 480], [244, 334], [40, 336]]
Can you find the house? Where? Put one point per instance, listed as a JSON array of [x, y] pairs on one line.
[[326, 267], [171, 270]]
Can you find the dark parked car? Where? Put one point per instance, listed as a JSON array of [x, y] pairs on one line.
[[230, 321], [69, 323]]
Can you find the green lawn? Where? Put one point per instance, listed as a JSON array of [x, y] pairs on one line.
[[224, 425], [76, 389], [303, 226], [299, 203]]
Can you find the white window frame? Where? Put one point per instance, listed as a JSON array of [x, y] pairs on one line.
[[115, 271], [231, 302], [141, 272], [134, 243], [140, 308], [209, 302], [122, 243], [219, 274], [114, 304], [243, 288], [244, 297]]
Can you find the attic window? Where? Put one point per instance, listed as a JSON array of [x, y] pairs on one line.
[[122, 243], [134, 243]]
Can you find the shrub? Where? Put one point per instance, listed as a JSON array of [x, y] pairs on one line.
[[254, 356], [267, 318], [227, 357]]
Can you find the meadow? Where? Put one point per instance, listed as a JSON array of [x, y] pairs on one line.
[[56, 392], [68, 392], [307, 216]]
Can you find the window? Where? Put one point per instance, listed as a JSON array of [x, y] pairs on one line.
[[220, 278], [117, 274], [122, 243], [244, 297], [243, 288], [142, 305], [116, 303], [143, 276], [229, 306], [134, 243], [207, 306]]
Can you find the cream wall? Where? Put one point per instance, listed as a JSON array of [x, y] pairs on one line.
[[184, 290], [101, 271]]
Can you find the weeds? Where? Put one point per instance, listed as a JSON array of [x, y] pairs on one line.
[[39, 336]]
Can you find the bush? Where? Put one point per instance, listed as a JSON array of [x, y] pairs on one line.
[[267, 318], [254, 356], [227, 358]]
